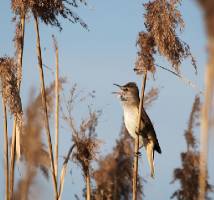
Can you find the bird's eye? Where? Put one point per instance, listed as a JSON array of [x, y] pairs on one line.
[[125, 89]]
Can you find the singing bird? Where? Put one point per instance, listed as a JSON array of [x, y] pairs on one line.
[[129, 96]]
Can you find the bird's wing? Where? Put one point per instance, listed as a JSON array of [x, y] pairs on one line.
[[149, 131]]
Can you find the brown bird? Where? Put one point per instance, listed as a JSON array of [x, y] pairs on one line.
[[129, 96]]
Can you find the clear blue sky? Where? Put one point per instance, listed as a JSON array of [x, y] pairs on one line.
[[105, 55]]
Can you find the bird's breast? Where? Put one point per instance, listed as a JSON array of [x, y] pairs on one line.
[[131, 119]]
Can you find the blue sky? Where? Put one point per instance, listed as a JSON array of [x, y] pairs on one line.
[[105, 55]]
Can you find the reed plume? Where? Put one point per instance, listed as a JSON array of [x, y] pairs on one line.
[[50, 10], [85, 143], [162, 19], [10, 92], [113, 177], [34, 151], [188, 173]]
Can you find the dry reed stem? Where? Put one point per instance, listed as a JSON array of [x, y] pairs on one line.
[[207, 109], [19, 44], [205, 118], [15, 147], [12, 160], [6, 159], [19, 77], [44, 104], [63, 171], [88, 185], [136, 148], [56, 153]]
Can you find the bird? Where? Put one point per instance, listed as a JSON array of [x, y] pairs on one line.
[[129, 97]]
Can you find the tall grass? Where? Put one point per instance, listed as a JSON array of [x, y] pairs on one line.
[[207, 113], [15, 152], [56, 148], [44, 104], [6, 158], [136, 148]]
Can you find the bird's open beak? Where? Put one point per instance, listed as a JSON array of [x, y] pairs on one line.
[[118, 93], [118, 86]]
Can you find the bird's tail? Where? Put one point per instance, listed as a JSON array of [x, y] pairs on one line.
[[150, 157]]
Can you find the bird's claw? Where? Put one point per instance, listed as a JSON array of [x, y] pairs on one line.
[[138, 154], [137, 132]]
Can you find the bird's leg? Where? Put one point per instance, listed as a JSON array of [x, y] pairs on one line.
[[138, 154]]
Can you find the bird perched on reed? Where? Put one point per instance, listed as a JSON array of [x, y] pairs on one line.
[[129, 96]]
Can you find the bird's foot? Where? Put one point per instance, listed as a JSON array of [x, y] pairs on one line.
[[137, 154], [137, 132]]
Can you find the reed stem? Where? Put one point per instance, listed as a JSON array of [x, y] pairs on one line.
[[6, 159], [56, 153], [44, 104], [136, 146]]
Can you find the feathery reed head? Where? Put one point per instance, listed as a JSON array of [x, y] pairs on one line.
[[162, 18], [145, 60], [9, 87], [33, 148], [114, 175], [86, 142], [150, 97], [193, 122], [190, 161], [49, 10]]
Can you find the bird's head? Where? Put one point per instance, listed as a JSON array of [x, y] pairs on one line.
[[128, 93]]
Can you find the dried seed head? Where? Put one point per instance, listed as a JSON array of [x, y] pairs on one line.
[[49, 10], [162, 18], [113, 177], [145, 59], [150, 97], [190, 162], [20, 7], [86, 142], [193, 122], [9, 87]]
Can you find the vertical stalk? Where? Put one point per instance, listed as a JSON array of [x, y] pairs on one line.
[[12, 159], [14, 144], [205, 118], [136, 147], [19, 78], [6, 159], [44, 104], [56, 112], [88, 185], [63, 171]]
